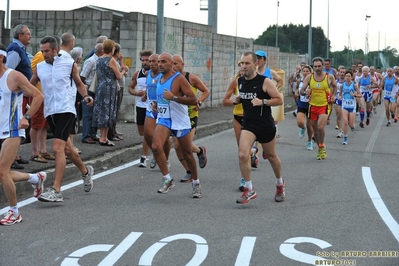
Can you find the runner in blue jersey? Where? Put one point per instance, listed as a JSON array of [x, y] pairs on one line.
[[390, 94], [174, 94], [347, 94]]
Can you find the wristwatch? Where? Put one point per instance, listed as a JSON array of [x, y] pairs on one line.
[[199, 103], [27, 117], [265, 101], [174, 98]]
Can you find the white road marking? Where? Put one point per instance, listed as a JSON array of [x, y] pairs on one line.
[[379, 203]]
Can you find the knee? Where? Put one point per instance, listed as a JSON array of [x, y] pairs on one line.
[[243, 156]]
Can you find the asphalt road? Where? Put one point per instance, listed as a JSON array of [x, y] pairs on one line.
[[342, 208]]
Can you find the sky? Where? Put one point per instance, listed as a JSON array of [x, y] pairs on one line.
[[344, 22]]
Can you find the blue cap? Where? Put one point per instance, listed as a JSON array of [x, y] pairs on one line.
[[261, 53]]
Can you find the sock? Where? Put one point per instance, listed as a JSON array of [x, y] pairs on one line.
[[200, 152], [279, 181], [195, 182], [143, 156], [345, 136], [321, 145], [33, 178], [248, 185], [276, 130], [14, 209], [362, 116], [167, 177]]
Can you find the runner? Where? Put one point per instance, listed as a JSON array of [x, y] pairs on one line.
[[322, 89], [347, 94]]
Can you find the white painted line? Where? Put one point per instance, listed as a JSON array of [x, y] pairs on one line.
[[379, 203], [74, 184]]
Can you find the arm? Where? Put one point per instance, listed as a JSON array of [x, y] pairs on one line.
[[34, 79], [13, 59], [82, 88], [305, 85], [230, 91], [296, 90], [278, 79], [333, 86], [180, 88], [22, 82], [197, 83], [133, 83], [114, 67]]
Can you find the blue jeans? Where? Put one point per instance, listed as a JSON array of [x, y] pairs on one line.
[[87, 116]]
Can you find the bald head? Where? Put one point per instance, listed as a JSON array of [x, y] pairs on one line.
[[68, 41], [98, 49], [178, 63], [165, 63]]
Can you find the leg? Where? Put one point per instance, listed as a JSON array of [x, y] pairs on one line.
[[247, 139], [161, 135]]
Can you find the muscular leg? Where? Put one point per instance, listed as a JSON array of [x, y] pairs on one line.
[[247, 138], [270, 149], [161, 135], [186, 149]]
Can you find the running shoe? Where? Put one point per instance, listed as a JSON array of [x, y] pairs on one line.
[[389, 124], [51, 196], [242, 184], [323, 153], [39, 187], [143, 162], [166, 185], [361, 125], [302, 132], [187, 178], [246, 196], [395, 119], [310, 146], [10, 218], [328, 121], [375, 110], [153, 163], [340, 135], [87, 179], [336, 127], [294, 113], [345, 142], [353, 129], [280, 193], [392, 115], [264, 156], [254, 161], [367, 121], [197, 192], [202, 159]]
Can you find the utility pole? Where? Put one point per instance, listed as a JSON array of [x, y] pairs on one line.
[[310, 35], [160, 24]]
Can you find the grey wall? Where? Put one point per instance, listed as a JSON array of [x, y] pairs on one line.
[[212, 57]]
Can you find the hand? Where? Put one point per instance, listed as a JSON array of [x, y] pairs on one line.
[[236, 99], [23, 123], [257, 102], [140, 93], [154, 106], [89, 101], [168, 95]]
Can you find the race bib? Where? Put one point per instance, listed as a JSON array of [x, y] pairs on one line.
[[348, 103], [163, 111]]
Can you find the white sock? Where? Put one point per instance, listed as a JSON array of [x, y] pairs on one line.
[[14, 209], [248, 185], [279, 181], [143, 156], [33, 178], [167, 176], [196, 182]]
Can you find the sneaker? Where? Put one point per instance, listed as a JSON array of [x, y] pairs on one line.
[[361, 125], [10, 218], [323, 153], [353, 129], [389, 124], [367, 121], [375, 110], [246, 196], [302, 132], [254, 161], [242, 184], [395, 119], [310, 146], [143, 162], [153, 163], [202, 159], [166, 185], [294, 113], [340, 135], [328, 121], [345, 142], [280, 193], [39, 187], [336, 127], [197, 192], [51, 196], [264, 156], [187, 178], [87, 179]]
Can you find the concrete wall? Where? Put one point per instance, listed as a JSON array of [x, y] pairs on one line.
[[212, 57]]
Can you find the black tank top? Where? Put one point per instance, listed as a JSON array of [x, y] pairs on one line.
[[257, 117]]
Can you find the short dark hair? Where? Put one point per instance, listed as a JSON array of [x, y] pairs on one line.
[[254, 56], [51, 40], [350, 72], [317, 58], [145, 53]]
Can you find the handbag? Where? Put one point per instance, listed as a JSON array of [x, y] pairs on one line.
[[94, 84]]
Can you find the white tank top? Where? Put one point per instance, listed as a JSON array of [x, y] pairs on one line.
[[11, 108], [141, 86]]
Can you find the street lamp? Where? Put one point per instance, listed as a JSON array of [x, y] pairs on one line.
[[278, 3], [328, 29], [366, 50], [310, 35]]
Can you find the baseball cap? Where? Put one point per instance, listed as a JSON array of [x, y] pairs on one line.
[[261, 53]]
